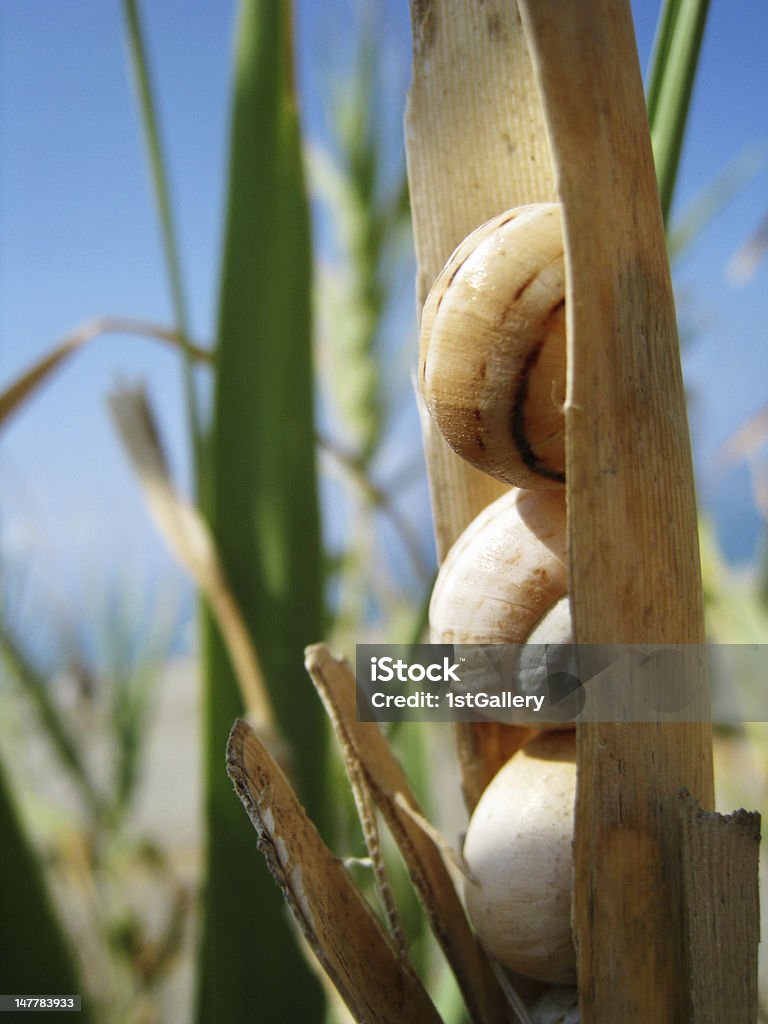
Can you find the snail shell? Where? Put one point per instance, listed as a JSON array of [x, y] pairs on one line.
[[504, 582], [518, 851], [547, 676], [555, 626], [505, 571], [492, 351]]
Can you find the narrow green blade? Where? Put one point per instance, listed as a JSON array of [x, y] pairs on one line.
[[261, 496], [34, 958], [673, 70], [159, 175], [53, 726], [662, 44]]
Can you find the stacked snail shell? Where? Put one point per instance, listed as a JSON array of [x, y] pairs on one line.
[[492, 369], [492, 352]]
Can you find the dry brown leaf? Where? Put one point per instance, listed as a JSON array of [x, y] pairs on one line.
[[27, 384], [389, 787], [366, 812], [378, 986], [187, 535], [719, 874]]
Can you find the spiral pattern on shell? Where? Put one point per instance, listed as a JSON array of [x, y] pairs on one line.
[[492, 351]]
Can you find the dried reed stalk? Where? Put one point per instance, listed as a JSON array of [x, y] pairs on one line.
[[375, 982], [476, 145]]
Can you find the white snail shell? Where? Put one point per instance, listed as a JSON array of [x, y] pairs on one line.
[[555, 626], [492, 351], [518, 852], [504, 572], [492, 372], [534, 672]]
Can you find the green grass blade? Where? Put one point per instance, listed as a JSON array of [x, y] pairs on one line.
[[713, 198], [260, 489], [165, 214], [36, 688], [34, 958], [673, 69], [662, 45]]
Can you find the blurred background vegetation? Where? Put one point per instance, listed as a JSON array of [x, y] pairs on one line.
[[132, 874]]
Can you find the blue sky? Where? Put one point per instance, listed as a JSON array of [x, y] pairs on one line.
[[78, 238]]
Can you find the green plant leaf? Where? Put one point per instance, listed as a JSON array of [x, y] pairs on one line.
[[713, 198], [63, 742], [260, 492], [670, 84], [34, 958], [159, 176]]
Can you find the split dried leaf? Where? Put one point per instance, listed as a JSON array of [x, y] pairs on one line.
[[378, 985], [365, 744]]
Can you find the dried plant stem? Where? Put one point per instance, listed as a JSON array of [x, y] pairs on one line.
[[377, 984], [492, 107], [633, 544], [171, 250], [388, 785], [190, 540], [27, 383]]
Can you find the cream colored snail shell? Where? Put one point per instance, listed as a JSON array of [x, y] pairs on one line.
[[518, 852], [492, 351], [505, 571], [554, 627]]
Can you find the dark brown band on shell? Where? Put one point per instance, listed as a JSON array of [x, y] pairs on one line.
[[517, 419]]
